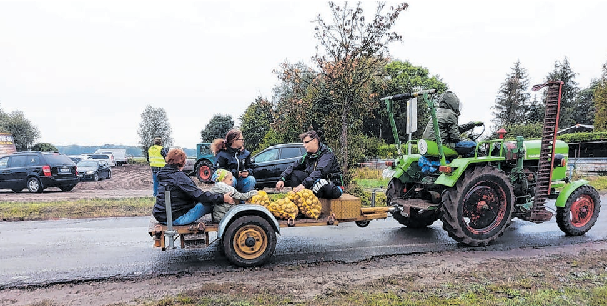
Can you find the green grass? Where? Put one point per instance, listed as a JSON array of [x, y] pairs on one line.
[[83, 208], [598, 182]]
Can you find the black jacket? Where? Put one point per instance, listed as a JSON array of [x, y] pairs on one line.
[[320, 165], [234, 160], [184, 194]]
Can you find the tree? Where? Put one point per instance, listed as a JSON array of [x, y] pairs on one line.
[[583, 106], [350, 55], [44, 147], [217, 127], [512, 99], [23, 131], [562, 71], [255, 122], [600, 102], [401, 77], [154, 123]]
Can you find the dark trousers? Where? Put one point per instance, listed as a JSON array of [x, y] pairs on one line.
[[329, 191]]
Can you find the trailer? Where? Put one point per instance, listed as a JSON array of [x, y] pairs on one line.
[[247, 233]]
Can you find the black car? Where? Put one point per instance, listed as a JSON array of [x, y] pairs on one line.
[[93, 169], [271, 162], [37, 171]]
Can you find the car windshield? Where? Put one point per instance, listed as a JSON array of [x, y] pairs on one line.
[[99, 156], [87, 163]]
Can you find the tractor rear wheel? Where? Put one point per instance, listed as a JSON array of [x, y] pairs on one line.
[[478, 209], [580, 212], [415, 218], [204, 171]]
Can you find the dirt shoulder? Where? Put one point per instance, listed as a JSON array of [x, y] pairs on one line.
[[309, 283], [127, 181]]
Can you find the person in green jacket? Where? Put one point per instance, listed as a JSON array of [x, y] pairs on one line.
[[447, 114]]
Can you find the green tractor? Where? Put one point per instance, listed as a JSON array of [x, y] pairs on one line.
[[478, 195]]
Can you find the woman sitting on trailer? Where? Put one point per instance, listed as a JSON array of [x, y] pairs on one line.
[[188, 202]]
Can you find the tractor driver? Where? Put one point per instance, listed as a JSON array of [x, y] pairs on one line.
[[447, 115]]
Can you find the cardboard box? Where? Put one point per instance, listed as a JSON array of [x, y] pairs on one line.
[[346, 207]]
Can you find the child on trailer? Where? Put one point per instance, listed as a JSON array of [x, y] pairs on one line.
[[223, 184]]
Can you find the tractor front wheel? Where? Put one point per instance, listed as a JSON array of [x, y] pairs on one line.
[[479, 207], [204, 171], [416, 219], [580, 212]]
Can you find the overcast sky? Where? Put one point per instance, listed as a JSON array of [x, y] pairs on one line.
[[84, 71]]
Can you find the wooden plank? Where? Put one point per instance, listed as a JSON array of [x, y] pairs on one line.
[[367, 210]]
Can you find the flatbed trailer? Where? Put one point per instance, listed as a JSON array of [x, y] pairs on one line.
[[247, 233]]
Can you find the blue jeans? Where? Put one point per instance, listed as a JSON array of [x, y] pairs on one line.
[[194, 214], [245, 184], [155, 178]]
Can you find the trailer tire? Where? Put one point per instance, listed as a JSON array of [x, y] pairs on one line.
[[478, 209], [249, 241], [580, 212], [415, 219]]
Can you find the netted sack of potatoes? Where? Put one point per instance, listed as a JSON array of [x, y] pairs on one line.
[[284, 209], [307, 203], [260, 198]]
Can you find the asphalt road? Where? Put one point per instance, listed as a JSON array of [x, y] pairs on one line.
[[64, 251]]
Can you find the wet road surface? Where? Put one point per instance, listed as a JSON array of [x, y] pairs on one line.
[[48, 252]]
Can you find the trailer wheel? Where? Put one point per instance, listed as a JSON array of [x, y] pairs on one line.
[[479, 208], [249, 241], [204, 171], [580, 212], [415, 219]]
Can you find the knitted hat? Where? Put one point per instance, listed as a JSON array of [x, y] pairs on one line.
[[221, 174]]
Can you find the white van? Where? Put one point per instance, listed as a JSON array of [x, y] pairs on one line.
[[119, 155]]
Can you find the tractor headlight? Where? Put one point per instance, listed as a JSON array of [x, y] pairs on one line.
[[422, 146]]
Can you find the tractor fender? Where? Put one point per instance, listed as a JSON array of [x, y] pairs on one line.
[[246, 210], [567, 191]]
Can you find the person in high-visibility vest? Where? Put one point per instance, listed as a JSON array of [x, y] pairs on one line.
[[156, 155]]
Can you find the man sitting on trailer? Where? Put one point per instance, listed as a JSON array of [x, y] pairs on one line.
[[447, 114], [318, 169]]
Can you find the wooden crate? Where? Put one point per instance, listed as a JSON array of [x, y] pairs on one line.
[[346, 207]]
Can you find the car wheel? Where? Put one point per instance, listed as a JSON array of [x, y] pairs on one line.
[[109, 175], [34, 185], [95, 177], [67, 187]]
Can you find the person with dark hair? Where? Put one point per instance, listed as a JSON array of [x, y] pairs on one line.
[[188, 202], [318, 169], [231, 155], [156, 155]]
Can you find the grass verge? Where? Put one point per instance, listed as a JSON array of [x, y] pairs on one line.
[[77, 209]]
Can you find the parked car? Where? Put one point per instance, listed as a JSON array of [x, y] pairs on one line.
[[37, 171], [93, 169], [109, 158], [271, 162]]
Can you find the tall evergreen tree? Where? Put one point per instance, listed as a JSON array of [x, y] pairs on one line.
[[583, 109], [562, 71], [512, 100], [600, 102]]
